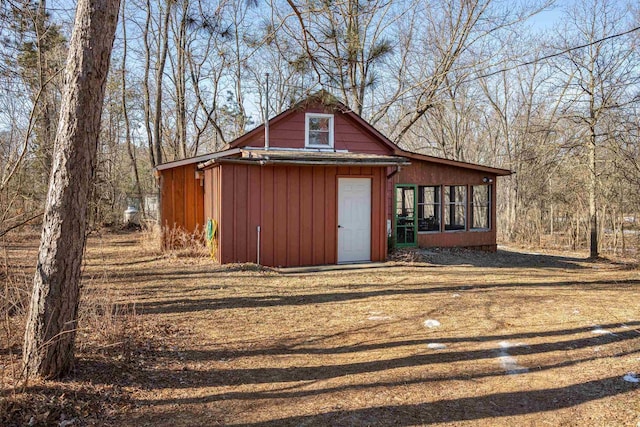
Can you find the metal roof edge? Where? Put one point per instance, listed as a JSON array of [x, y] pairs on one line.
[[454, 163], [196, 159], [314, 162]]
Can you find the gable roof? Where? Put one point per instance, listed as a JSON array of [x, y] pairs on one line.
[[327, 100], [324, 99], [234, 149]]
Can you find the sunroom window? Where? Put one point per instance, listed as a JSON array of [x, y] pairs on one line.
[[429, 208], [480, 207], [455, 207], [319, 130]]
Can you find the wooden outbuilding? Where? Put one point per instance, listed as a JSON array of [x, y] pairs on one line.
[[322, 186]]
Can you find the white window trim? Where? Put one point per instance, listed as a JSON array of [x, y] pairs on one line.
[[306, 129]]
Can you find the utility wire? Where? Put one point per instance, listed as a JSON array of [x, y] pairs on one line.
[[486, 75], [553, 55]]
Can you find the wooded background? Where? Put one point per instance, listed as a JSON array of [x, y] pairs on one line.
[[546, 89]]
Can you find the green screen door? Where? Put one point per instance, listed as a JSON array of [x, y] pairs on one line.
[[405, 215]]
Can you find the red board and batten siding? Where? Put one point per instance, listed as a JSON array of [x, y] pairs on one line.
[[212, 195], [182, 198], [295, 207], [289, 133], [426, 173]]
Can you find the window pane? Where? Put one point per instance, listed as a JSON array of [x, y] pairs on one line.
[[480, 217], [460, 209], [404, 202], [409, 235], [481, 195], [480, 207], [405, 235], [401, 235], [429, 208], [319, 123], [455, 197], [319, 131], [318, 138]]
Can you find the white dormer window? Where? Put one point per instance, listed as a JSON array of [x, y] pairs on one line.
[[318, 130]]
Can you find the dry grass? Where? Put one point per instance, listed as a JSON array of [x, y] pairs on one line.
[[197, 344], [108, 331], [180, 243], [15, 291]]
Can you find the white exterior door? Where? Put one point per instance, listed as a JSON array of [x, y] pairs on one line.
[[354, 219]]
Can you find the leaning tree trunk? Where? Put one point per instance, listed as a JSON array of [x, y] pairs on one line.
[[51, 326]]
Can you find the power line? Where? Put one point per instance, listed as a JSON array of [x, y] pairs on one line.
[[493, 73], [556, 54], [524, 64]]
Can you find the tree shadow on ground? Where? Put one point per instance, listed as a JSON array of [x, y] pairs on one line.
[[295, 392], [153, 275], [424, 258], [265, 375], [448, 410], [290, 382], [184, 305], [503, 258], [11, 351], [283, 350], [464, 409]]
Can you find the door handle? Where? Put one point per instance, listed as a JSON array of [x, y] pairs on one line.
[[339, 226]]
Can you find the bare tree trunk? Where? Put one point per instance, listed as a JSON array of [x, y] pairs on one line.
[[162, 60], [241, 118], [145, 88], [51, 326], [43, 121], [181, 45], [125, 113]]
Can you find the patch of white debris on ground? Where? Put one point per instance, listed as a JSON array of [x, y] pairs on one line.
[[507, 362]]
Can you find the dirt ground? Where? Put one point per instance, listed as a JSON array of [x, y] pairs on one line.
[[442, 337]]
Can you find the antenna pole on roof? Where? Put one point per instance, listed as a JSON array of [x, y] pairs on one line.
[[266, 118]]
